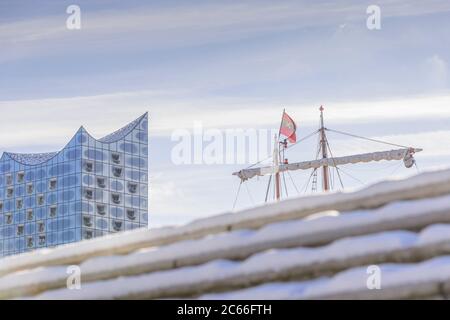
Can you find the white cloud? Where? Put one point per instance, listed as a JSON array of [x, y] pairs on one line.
[[26, 122], [437, 71], [184, 25]]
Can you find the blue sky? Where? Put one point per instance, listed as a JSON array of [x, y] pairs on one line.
[[228, 64]]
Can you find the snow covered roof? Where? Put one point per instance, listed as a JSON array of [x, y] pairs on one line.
[[314, 247]]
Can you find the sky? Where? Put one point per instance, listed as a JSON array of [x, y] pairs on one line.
[[228, 65]]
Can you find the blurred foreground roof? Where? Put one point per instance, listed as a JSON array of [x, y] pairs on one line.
[[314, 247]]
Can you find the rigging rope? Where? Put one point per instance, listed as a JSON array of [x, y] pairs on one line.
[[268, 188], [307, 184], [331, 175], [348, 174], [303, 139], [292, 145], [369, 139], [249, 194], [292, 180], [285, 185], [314, 172], [398, 165], [332, 157], [237, 195]]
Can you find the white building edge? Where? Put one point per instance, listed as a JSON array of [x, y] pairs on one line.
[[315, 247]]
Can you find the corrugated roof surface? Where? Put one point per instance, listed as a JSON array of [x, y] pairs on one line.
[[32, 158], [122, 132], [315, 247]]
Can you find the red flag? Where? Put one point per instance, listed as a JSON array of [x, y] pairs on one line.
[[288, 128]]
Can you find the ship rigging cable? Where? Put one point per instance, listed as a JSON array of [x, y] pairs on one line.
[[237, 195], [337, 169], [369, 139], [292, 145]]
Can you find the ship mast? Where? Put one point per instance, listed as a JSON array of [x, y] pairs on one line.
[[323, 142], [403, 153], [276, 165], [276, 161]]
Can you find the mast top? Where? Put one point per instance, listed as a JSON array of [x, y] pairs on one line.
[[321, 108]]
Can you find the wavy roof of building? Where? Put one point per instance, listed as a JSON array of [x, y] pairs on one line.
[[39, 158], [122, 132]]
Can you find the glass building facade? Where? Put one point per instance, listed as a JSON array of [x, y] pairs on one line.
[[90, 188]]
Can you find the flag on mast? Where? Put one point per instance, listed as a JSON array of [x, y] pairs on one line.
[[288, 128]]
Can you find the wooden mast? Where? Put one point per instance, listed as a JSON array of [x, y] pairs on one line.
[[324, 147], [276, 164], [276, 160]]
